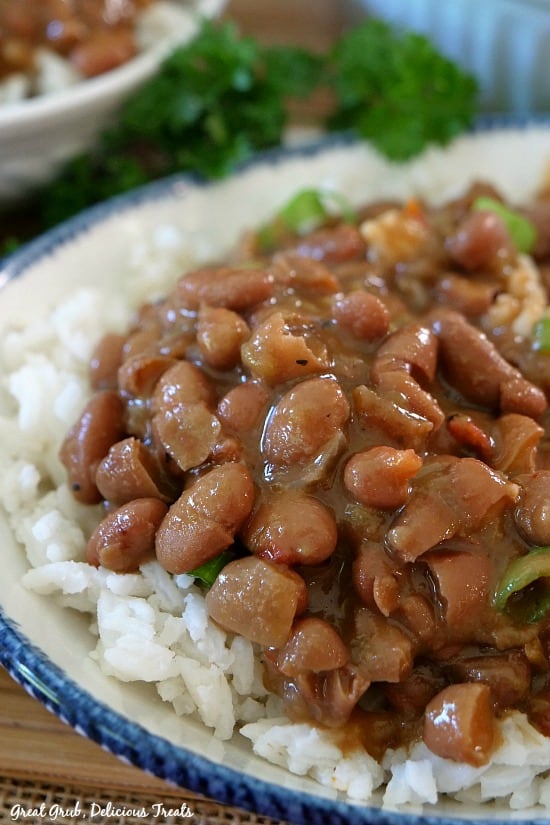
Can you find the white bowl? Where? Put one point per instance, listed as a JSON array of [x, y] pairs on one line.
[[39, 134], [505, 44], [45, 646]]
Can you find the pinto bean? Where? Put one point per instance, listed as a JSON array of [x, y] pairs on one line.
[[333, 245], [380, 651], [473, 298], [476, 369], [480, 241], [380, 477], [233, 288], [538, 213], [103, 51], [462, 582], [204, 520], [413, 694], [126, 537], [474, 433], [416, 613], [403, 426], [304, 420], [129, 471], [242, 406], [405, 361], [182, 383], [315, 645], [375, 578], [281, 349], [256, 599], [362, 313], [291, 527], [453, 497], [142, 340], [532, 514], [459, 723], [508, 674], [105, 362], [220, 333], [516, 439], [189, 433], [328, 697], [138, 375], [89, 440], [296, 271], [412, 348]]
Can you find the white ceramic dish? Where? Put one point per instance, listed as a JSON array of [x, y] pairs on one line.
[[504, 43], [37, 135], [44, 646]]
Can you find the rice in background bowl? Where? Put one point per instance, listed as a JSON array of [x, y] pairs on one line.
[[205, 677], [38, 134]]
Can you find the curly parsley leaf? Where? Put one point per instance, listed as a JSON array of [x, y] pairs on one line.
[[215, 102], [398, 91], [224, 96]]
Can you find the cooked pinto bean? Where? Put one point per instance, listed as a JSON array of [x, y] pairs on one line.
[[220, 333], [459, 723], [189, 433], [538, 213], [280, 349], [104, 51], [508, 675], [139, 374], [412, 348], [129, 471], [380, 477], [463, 581], [291, 527], [105, 362], [382, 652], [183, 383], [344, 243], [472, 433], [257, 599], [89, 440], [126, 537], [404, 361], [516, 439], [476, 369], [532, 514], [234, 288], [241, 407], [480, 240], [402, 426], [362, 313], [204, 520], [376, 578], [473, 298], [314, 645], [304, 420], [300, 272], [328, 697], [454, 497]]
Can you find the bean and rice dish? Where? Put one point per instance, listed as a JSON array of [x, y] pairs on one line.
[[333, 448], [50, 45]]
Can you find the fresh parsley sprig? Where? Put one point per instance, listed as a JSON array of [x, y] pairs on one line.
[[224, 96]]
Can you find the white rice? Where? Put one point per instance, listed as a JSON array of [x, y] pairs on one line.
[[153, 627]]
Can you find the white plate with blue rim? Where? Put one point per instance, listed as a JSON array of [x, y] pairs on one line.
[[48, 647]]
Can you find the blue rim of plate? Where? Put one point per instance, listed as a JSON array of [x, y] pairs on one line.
[[128, 740]]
